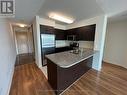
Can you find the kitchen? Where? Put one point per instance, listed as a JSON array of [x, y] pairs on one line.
[[64, 42], [69, 47], [57, 40]]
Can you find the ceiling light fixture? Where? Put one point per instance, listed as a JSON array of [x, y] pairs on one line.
[[61, 18], [22, 25]]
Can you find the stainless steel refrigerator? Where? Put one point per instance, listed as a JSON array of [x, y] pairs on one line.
[[47, 46]]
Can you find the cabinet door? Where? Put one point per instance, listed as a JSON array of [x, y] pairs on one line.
[[86, 33], [46, 29], [71, 32], [60, 34]]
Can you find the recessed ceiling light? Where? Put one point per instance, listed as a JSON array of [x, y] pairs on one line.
[[61, 18], [21, 25]]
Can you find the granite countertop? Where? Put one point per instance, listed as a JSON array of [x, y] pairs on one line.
[[67, 59]]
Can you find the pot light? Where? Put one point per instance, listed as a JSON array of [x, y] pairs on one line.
[[61, 18], [21, 25]]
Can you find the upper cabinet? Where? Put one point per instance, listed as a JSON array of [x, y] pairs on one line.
[[71, 34], [71, 31], [86, 33], [60, 34], [46, 29]]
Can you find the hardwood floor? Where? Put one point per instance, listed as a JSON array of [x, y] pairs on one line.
[[26, 58], [112, 80]]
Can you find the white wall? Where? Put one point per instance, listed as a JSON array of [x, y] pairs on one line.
[[116, 43], [36, 33], [58, 26], [7, 56], [43, 21], [101, 22]]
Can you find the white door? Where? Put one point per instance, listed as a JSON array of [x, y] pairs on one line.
[[22, 42]]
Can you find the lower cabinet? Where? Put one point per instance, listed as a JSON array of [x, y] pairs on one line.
[[61, 78]]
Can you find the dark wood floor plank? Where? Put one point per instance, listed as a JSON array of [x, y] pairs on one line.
[[28, 79]]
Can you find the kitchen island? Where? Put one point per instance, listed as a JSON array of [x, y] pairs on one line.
[[66, 67]]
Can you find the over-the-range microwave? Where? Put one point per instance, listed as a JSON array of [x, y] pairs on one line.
[[71, 37]]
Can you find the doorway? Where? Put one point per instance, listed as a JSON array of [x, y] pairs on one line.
[[24, 45]]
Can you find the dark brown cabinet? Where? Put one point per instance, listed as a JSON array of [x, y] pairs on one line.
[[71, 31], [60, 34], [86, 33], [46, 29], [71, 34], [61, 78]]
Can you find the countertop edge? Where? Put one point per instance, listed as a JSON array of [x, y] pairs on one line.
[[75, 62], [67, 66]]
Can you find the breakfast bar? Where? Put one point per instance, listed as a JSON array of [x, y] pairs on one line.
[[65, 68]]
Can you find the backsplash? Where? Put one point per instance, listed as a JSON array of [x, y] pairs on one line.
[[61, 43], [86, 44], [82, 44]]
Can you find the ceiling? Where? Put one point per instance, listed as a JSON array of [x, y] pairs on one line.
[[119, 17], [25, 10], [113, 7], [77, 9]]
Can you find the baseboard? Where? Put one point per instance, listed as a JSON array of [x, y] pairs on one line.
[[10, 82], [115, 64]]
